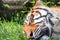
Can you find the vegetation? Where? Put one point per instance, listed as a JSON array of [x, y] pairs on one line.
[[11, 31]]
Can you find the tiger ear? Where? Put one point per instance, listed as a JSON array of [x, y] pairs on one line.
[[38, 2]]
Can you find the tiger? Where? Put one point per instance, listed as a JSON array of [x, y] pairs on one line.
[[39, 22]]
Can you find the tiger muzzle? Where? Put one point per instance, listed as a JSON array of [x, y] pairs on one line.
[[31, 35]]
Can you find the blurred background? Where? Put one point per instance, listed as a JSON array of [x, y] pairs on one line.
[[13, 13]]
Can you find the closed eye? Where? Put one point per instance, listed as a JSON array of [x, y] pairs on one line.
[[38, 15]]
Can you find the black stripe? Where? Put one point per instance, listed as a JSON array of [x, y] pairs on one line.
[[40, 17], [45, 10], [41, 8], [36, 30], [36, 12], [51, 22]]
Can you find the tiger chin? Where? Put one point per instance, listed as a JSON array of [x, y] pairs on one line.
[[39, 22]]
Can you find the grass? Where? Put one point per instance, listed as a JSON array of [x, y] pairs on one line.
[[11, 31]]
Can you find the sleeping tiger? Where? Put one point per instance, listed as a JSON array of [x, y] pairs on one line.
[[39, 22]]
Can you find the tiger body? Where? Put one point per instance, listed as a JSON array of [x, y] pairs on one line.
[[38, 24]]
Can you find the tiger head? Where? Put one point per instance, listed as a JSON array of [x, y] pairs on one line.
[[30, 25]]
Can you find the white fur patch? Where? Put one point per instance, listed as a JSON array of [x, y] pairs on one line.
[[38, 20], [43, 12]]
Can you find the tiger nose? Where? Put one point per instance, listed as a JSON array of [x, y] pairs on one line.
[[31, 34]]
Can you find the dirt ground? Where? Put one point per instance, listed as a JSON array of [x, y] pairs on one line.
[[56, 10]]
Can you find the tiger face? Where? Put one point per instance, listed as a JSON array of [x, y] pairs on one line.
[[33, 23], [29, 24]]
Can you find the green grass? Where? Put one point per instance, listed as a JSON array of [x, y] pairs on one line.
[[11, 31]]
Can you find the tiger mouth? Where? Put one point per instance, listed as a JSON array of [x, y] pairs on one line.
[[31, 38]]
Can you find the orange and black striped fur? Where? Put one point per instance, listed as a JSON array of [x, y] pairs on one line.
[[38, 24]]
